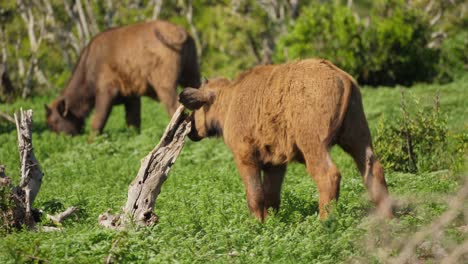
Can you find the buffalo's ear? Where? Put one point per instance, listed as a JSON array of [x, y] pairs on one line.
[[48, 110], [62, 107], [193, 99]]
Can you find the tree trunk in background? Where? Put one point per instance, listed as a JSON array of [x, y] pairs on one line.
[[157, 8], [145, 188], [83, 21], [94, 28], [193, 29], [33, 71]]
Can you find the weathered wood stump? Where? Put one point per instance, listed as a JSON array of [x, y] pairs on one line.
[[145, 188], [20, 211], [17, 202]]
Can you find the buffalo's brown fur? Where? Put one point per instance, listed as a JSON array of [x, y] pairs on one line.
[[274, 114], [119, 66]]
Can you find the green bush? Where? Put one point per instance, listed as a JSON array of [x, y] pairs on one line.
[[453, 57], [324, 30], [391, 49], [395, 46], [415, 141]]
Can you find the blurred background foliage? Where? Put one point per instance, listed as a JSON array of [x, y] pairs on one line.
[[382, 42]]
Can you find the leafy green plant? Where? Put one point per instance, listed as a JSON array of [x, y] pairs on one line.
[[416, 140], [324, 30]]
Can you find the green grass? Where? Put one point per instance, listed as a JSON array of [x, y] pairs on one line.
[[202, 207]]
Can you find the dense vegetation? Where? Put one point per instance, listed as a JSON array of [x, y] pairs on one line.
[[202, 207], [384, 42]]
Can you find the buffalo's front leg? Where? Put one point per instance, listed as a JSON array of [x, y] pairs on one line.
[[250, 174], [133, 112], [104, 100]]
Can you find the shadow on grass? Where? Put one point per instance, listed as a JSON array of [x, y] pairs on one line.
[[293, 204]]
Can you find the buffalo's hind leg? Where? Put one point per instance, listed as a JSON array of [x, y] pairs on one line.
[[372, 173], [133, 112], [355, 139], [326, 176], [272, 180]]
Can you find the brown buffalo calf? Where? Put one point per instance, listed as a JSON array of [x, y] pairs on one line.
[[272, 115], [119, 66]]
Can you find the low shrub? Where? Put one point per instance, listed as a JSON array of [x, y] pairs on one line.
[[415, 141], [326, 30]]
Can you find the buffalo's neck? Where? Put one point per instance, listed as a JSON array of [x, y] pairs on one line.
[[80, 98], [80, 93]]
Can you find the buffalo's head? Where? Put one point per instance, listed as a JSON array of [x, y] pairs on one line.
[[60, 119], [207, 108]]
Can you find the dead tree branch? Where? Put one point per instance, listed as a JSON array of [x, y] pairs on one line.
[[58, 218], [145, 188], [455, 205], [456, 254]]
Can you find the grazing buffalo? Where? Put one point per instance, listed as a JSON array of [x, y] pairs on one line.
[[119, 66], [275, 114]]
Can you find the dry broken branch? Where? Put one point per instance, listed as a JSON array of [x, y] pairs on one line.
[[145, 188], [58, 218], [455, 205]]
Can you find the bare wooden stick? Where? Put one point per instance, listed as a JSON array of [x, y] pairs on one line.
[[145, 188], [58, 218], [456, 254]]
